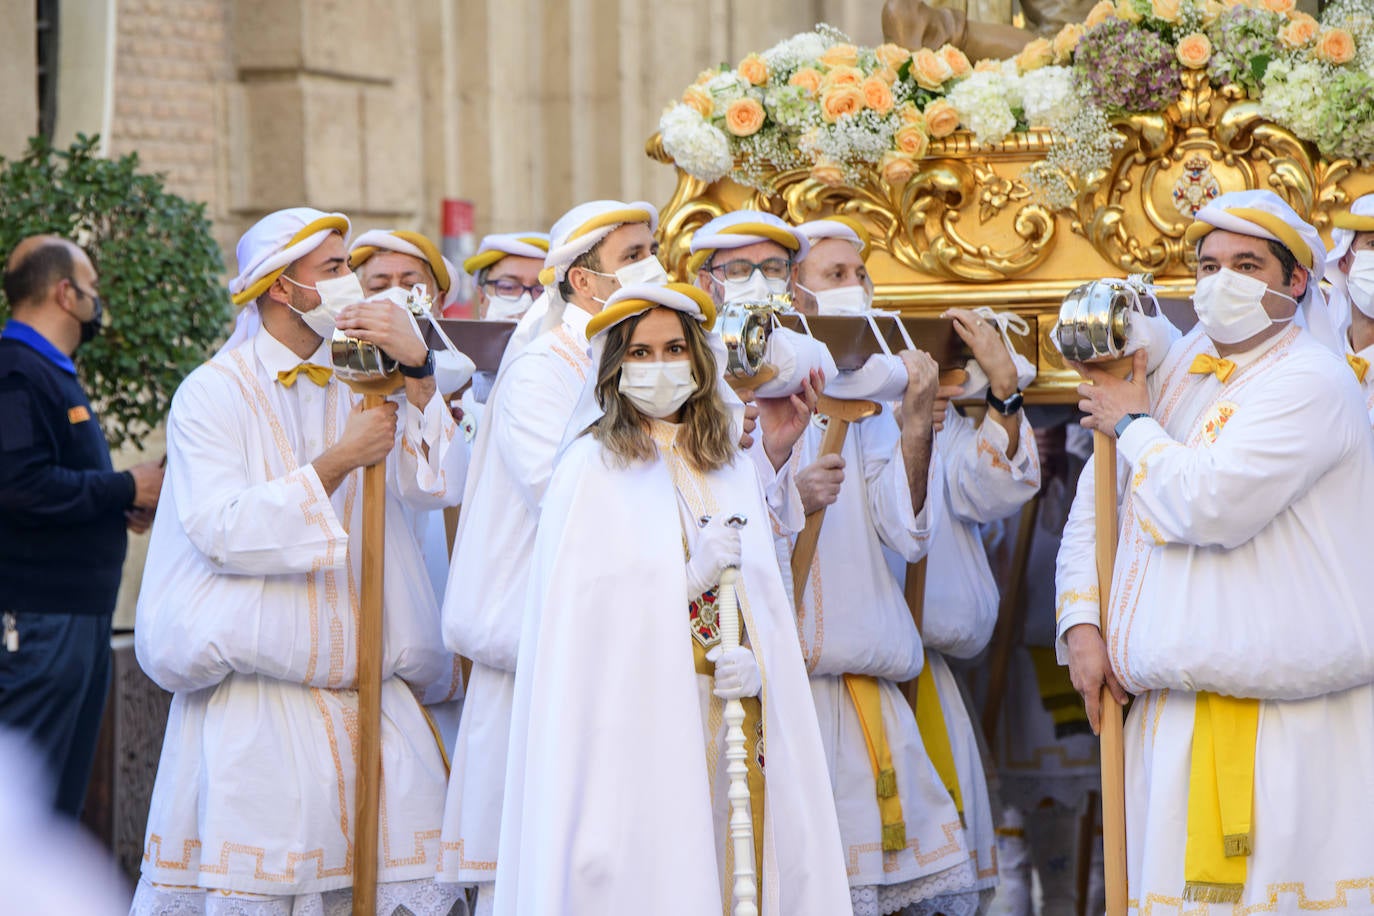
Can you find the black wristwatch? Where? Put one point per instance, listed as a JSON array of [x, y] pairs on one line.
[[1008, 407], [424, 370], [1125, 422]]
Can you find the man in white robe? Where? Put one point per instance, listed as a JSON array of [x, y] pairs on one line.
[[904, 847], [1350, 267], [249, 609], [529, 406], [1237, 614]]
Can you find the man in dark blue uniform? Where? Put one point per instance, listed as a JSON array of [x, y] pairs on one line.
[[63, 516]]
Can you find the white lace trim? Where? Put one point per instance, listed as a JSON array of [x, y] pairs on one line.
[[422, 897], [945, 891]]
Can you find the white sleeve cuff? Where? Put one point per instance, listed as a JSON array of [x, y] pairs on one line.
[[1139, 436], [995, 436], [1070, 619]]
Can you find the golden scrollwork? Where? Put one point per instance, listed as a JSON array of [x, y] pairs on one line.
[[967, 225]]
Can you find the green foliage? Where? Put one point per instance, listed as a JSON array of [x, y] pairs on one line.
[[159, 269]]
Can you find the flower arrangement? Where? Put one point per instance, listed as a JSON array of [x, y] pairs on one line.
[[816, 101]]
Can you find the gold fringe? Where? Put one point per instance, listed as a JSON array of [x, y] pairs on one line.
[[887, 783], [1237, 844], [1205, 892], [894, 837]]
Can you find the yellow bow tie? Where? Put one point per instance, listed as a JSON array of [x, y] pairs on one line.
[[318, 374], [1358, 364], [1205, 363]]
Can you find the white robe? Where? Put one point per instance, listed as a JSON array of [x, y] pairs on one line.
[[980, 483], [513, 457], [526, 418], [1367, 385], [614, 797], [1239, 570], [249, 614], [854, 620]]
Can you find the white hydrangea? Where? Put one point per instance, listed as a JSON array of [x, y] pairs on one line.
[[1048, 98], [1011, 82], [724, 88], [981, 101], [700, 149], [797, 51]]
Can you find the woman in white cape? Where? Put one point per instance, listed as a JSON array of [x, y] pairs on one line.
[[616, 793]]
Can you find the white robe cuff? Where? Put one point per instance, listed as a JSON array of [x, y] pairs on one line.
[[907, 532], [433, 456], [1079, 612], [779, 490], [1023, 463], [1139, 436]]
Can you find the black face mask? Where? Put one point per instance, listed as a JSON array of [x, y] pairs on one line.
[[90, 328]]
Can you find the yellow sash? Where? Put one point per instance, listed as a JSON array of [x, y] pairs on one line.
[[930, 719], [868, 703], [1057, 695], [1221, 798]]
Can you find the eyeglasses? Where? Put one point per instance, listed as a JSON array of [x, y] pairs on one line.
[[740, 269], [509, 288]]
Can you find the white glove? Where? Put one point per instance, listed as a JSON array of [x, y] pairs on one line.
[[737, 673], [717, 546]]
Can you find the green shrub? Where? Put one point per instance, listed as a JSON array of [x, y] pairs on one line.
[[159, 269]]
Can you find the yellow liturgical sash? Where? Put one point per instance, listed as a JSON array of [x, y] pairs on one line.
[[868, 703], [1221, 798], [1358, 365], [930, 719]]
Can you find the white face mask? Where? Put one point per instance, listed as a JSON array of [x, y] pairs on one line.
[[1230, 307], [501, 308], [645, 270], [657, 389], [1360, 282], [842, 300], [335, 293], [756, 288]]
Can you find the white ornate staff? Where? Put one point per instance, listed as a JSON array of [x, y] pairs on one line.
[[745, 892]]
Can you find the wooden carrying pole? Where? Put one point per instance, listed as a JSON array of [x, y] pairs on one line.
[[367, 789], [914, 590], [1010, 615], [1110, 714], [840, 413]]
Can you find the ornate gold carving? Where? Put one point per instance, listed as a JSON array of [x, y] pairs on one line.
[[967, 227]]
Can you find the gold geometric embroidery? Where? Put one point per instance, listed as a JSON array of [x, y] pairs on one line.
[[892, 860], [1298, 888], [1074, 596]]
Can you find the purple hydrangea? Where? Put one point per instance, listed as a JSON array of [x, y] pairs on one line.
[[1243, 43], [1126, 68]]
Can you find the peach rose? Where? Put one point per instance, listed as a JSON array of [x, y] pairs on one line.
[[1104, 10], [912, 141], [1164, 10], [890, 55], [1280, 6], [841, 55], [1194, 51], [699, 99], [1336, 46], [886, 74], [987, 65], [910, 114], [877, 95], [828, 173], [930, 70], [1125, 9], [842, 76], [958, 61], [705, 77], [809, 79], [896, 168], [942, 118], [1067, 39], [1036, 54], [753, 69], [841, 101], [1212, 11], [744, 117], [1299, 32]]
